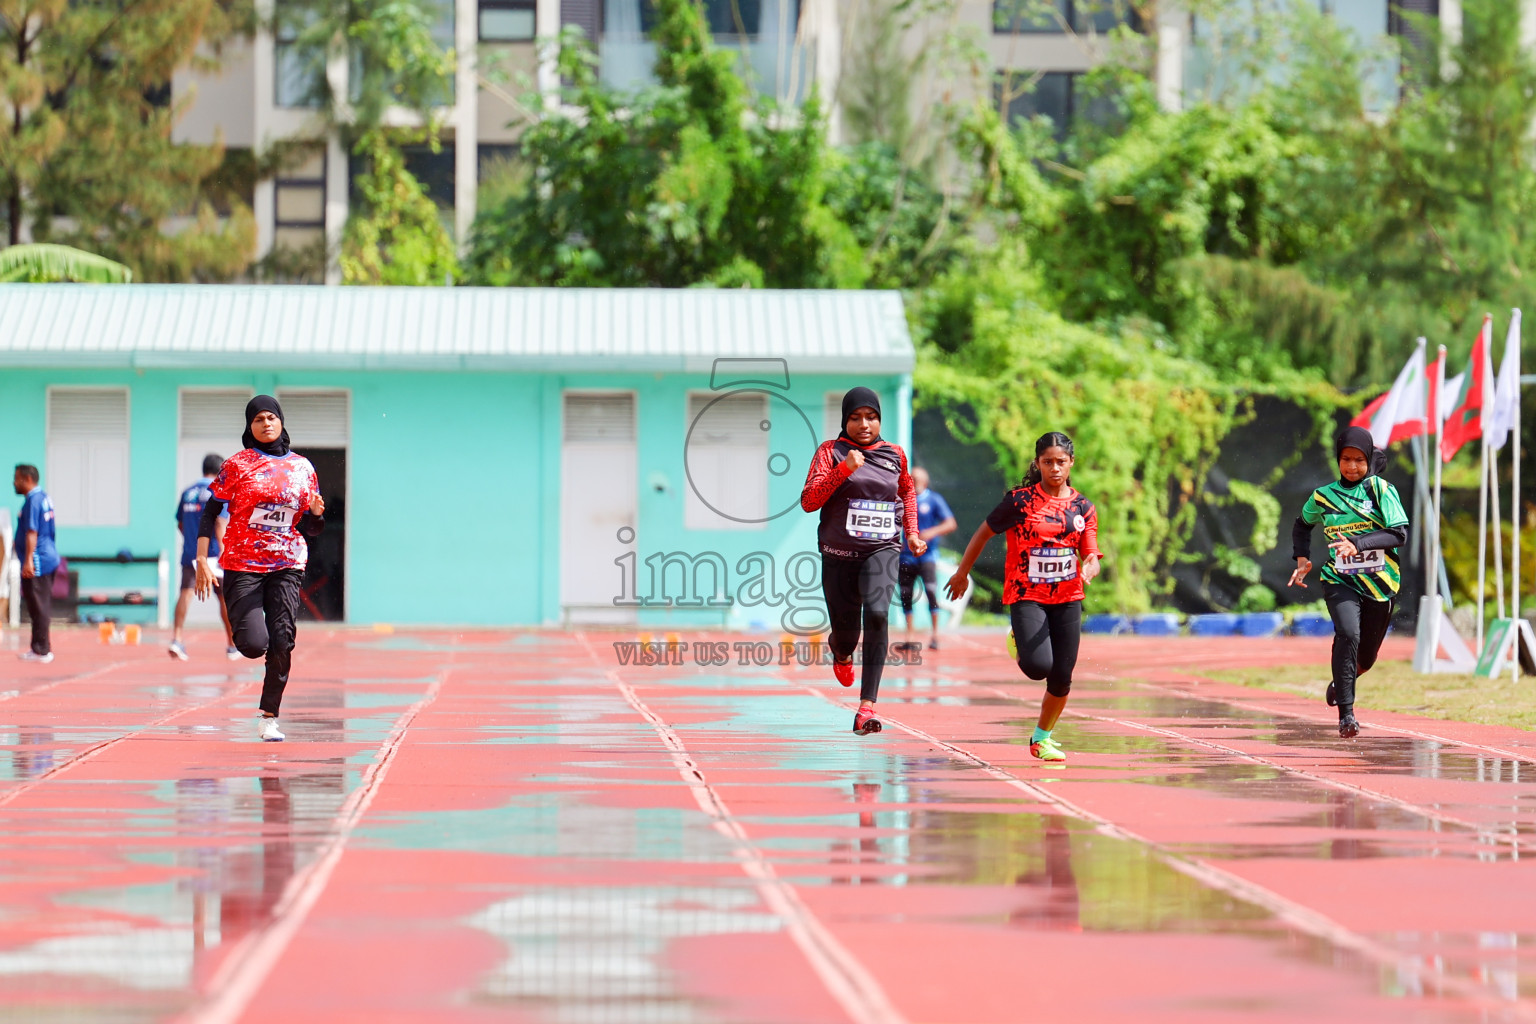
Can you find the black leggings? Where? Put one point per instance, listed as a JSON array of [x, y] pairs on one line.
[[262, 608], [858, 588], [929, 573], [1359, 627], [1048, 636]]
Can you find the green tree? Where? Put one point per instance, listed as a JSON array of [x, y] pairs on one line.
[[692, 181], [39, 262], [398, 237], [86, 154]]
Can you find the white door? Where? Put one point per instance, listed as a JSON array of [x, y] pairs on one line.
[[211, 424], [597, 504]]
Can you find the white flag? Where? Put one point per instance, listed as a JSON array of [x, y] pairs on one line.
[[1404, 411], [1506, 390]]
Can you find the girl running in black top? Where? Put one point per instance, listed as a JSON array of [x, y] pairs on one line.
[[867, 500]]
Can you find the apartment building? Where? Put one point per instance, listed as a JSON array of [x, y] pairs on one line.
[[263, 94]]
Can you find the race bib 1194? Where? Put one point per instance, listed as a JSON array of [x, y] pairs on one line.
[[1052, 565], [871, 520], [275, 518], [1360, 562]]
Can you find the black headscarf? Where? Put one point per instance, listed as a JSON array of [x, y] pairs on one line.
[[1361, 440], [257, 405], [858, 398]]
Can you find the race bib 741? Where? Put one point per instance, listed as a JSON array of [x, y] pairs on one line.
[[273, 517]]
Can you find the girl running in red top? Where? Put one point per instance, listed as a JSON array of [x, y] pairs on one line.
[[274, 503], [861, 486], [1053, 550]]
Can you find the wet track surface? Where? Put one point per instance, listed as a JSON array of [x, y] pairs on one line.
[[520, 827]]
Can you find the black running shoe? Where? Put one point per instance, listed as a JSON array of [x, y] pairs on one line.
[[1333, 695], [1348, 727]]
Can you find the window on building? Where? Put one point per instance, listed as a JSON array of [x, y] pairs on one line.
[[1050, 96], [435, 171], [1045, 16], [727, 461], [507, 21], [299, 193], [87, 470], [727, 19], [299, 73]]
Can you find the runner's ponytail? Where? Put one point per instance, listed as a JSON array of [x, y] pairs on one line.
[[1053, 439]]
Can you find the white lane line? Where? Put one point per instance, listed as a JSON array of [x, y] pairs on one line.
[[1430, 813], [90, 753], [18, 694], [846, 980], [246, 966], [1296, 914]]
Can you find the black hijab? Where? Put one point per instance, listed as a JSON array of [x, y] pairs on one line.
[[257, 405], [1361, 440], [858, 398]]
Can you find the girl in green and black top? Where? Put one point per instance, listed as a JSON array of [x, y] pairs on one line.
[[1364, 523]]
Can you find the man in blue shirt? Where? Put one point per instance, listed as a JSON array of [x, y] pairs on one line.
[[189, 512], [38, 554], [934, 519]]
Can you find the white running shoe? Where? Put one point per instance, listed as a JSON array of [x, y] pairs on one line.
[[232, 653], [270, 733], [178, 651], [41, 659]]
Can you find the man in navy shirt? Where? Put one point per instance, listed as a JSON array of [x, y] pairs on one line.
[[934, 519], [38, 554], [189, 512]]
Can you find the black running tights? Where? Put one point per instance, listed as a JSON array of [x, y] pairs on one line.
[[263, 607], [1359, 627], [858, 590], [1048, 636]]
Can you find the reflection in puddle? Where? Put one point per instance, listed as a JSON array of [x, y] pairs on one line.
[[598, 955]]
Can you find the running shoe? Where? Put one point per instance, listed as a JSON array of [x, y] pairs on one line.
[[178, 651], [232, 653], [1332, 697], [865, 722], [843, 670], [933, 644], [1013, 647], [270, 733], [1047, 750], [1349, 728], [41, 659]]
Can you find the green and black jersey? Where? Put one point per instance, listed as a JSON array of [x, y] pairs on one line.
[[1353, 511]]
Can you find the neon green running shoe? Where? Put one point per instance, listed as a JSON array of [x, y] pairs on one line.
[[1047, 750], [1013, 647]]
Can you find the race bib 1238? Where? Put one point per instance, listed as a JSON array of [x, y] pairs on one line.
[[871, 520]]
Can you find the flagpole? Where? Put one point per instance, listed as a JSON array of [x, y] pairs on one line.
[[1482, 539], [1434, 645], [1498, 530], [1516, 513]]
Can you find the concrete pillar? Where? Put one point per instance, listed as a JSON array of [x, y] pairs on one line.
[[1172, 38], [264, 61], [466, 146]]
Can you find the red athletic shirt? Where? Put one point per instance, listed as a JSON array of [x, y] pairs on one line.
[[859, 509], [1047, 540], [266, 497]]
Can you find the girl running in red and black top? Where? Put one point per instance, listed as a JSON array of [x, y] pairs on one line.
[[1053, 550], [274, 503], [867, 501]]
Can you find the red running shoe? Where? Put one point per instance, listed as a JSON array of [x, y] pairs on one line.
[[865, 722], [843, 671]]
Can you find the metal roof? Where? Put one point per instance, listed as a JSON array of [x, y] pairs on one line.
[[554, 329]]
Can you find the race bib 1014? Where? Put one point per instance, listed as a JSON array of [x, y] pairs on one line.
[[1052, 565], [1360, 562], [871, 520], [274, 518]]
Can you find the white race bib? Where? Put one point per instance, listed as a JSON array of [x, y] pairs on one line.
[[1052, 565], [871, 520], [274, 518], [1360, 562]]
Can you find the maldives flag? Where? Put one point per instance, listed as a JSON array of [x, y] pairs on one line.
[[1465, 421], [1402, 412]]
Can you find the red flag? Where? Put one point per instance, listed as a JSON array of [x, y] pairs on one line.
[[1369, 412], [1465, 422]]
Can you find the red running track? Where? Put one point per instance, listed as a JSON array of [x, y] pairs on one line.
[[520, 826]]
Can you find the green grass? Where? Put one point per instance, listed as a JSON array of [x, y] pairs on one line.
[[1394, 686]]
